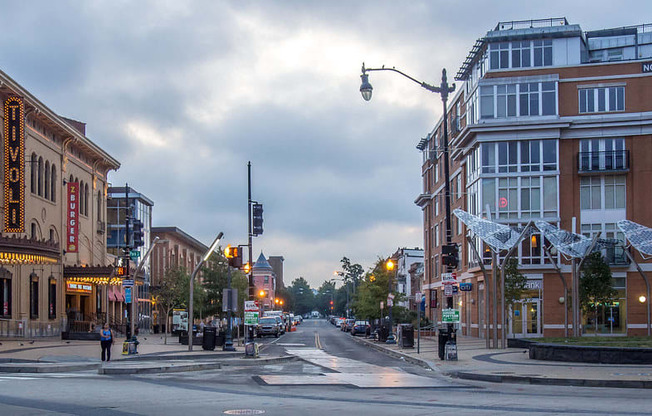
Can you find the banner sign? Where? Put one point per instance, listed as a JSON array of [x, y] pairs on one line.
[[14, 154], [73, 215], [230, 300], [128, 294]]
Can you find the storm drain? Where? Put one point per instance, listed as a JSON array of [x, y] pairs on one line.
[[244, 412]]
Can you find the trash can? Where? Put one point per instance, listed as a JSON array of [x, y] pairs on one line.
[[208, 342], [407, 336], [442, 338], [219, 339], [383, 333]]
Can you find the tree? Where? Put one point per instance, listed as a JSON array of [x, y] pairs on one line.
[[373, 289], [169, 293], [595, 285], [515, 282], [304, 299], [325, 294]]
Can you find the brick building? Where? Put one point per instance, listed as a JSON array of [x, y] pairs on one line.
[[550, 123]]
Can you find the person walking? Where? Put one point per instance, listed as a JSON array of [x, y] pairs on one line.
[[106, 341]]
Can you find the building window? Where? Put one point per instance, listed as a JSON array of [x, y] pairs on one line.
[[53, 184], [534, 99], [86, 199], [458, 187], [52, 298], [266, 279], [39, 178], [521, 52], [542, 52], [436, 235], [602, 192], [99, 205], [603, 154], [33, 173], [602, 99], [5, 293], [499, 55], [33, 235], [33, 296], [47, 180]]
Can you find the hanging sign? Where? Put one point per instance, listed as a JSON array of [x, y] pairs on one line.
[[72, 225], [14, 155], [79, 287]]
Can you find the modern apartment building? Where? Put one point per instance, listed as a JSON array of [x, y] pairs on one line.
[[123, 201], [550, 123]]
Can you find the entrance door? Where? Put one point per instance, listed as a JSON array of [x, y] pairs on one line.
[[526, 318]]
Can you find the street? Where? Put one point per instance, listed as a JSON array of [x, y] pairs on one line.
[[333, 375]]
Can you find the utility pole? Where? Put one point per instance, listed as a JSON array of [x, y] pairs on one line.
[[252, 286], [127, 249]]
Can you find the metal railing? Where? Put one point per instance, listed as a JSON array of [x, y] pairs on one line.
[[602, 161]]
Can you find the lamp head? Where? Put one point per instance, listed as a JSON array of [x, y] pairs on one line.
[[366, 88]]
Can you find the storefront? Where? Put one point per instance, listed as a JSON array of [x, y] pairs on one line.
[[86, 292], [525, 314]]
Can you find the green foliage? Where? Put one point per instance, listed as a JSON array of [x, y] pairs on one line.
[[514, 281], [372, 291], [303, 298], [595, 284]]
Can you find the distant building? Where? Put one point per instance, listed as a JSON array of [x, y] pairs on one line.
[[178, 250], [264, 280], [140, 208], [405, 258], [277, 265]]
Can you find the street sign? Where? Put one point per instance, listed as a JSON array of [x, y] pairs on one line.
[[417, 297], [251, 318], [448, 290], [390, 302], [127, 294], [449, 278], [134, 254], [127, 282], [451, 316], [251, 306]]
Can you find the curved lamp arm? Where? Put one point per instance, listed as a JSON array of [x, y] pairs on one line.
[[366, 88]]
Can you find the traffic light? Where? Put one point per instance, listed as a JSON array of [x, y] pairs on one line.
[[262, 293], [138, 233], [246, 267], [450, 253], [233, 256], [257, 213]]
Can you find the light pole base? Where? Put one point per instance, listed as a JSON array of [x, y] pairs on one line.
[[391, 340]]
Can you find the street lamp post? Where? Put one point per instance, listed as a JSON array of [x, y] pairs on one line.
[[443, 90], [191, 295], [389, 265]]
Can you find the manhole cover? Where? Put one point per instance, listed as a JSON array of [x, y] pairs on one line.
[[244, 412]]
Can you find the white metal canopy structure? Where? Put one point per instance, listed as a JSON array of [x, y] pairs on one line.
[[571, 245], [640, 237]]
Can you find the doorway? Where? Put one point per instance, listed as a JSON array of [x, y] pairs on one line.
[[525, 316]]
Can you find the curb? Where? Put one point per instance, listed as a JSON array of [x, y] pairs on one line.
[[396, 354], [493, 378], [48, 368], [176, 368]]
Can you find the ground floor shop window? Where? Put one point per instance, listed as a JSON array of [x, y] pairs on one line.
[[5, 294], [608, 318]]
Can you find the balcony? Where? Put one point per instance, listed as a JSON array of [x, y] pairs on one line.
[[603, 161]]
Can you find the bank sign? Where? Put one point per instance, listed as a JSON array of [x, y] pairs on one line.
[[14, 154]]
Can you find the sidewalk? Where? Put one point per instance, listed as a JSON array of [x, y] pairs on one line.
[[513, 365], [51, 355]]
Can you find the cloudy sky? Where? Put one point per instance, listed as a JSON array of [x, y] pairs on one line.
[[185, 93]]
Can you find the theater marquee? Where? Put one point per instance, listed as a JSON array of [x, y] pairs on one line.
[[14, 154]]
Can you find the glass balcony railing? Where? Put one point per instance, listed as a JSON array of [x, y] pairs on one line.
[[603, 161]]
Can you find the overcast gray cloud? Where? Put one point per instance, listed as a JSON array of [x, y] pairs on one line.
[[184, 93]]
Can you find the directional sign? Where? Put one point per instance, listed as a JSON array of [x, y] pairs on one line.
[[450, 315], [251, 318], [127, 282], [134, 254]]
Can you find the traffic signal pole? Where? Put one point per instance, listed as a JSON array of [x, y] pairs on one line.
[[128, 331], [252, 287]]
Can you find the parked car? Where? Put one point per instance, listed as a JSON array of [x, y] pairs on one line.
[[360, 327], [338, 322], [348, 324], [268, 326]]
